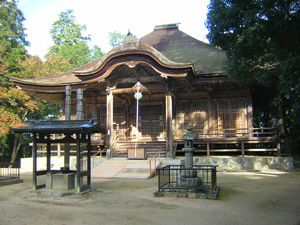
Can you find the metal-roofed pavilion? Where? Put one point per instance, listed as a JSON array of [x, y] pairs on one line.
[[70, 178]]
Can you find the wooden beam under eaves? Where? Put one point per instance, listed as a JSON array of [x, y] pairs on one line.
[[142, 80], [149, 88]]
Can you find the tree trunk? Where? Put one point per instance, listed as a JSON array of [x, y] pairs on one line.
[[283, 134], [16, 147]]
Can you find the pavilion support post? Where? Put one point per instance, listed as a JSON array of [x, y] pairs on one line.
[[78, 166], [169, 132], [79, 107], [89, 161], [109, 119], [48, 153], [34, 155], [67, 117], [58, 149]]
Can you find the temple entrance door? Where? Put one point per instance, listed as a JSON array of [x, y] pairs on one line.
[[119, 121], [151, 121]]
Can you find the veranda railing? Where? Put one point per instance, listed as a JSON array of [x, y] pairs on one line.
[[232, 132]]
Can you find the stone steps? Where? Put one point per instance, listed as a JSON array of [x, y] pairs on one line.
[[151, 148]]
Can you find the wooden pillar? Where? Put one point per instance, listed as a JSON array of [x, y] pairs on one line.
[[109, 118], [48, 153], [94, 108], [278, 149], [34, 165], [89, 161], [79, 106], [58, 149], [67, 117], [249, 112], [68, 103], [209, 115], [78, 166], [243, 148], [207, 149], [169, 132]]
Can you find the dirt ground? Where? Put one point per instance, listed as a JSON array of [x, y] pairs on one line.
[[245, 198]]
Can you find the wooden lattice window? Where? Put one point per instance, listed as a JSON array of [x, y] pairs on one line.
[[231, 115], [192, 114], [151, 120]]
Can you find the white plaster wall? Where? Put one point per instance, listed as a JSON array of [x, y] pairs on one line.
[[57, 161]]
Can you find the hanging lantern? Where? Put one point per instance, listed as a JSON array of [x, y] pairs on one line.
[[137, 95]]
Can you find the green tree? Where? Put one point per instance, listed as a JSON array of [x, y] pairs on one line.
[[96, 53], [12, 39], [12, 50], [116, 38], [261, 40], [16, 106], [66, 31], [69, 41]]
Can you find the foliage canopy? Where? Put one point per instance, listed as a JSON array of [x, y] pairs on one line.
[[116, 38], [261, 40], [70, 42]]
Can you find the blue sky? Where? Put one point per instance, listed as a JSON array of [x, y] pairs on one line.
[[102, 17]]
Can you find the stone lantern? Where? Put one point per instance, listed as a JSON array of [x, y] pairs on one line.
[[188, 147], [188, 176]]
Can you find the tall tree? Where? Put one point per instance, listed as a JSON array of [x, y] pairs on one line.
[[115, 38], [69, 41], [17, 107], [261, 39], [12, 50], [12, 38]]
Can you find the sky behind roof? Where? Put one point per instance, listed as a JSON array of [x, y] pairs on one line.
[[102, 17]]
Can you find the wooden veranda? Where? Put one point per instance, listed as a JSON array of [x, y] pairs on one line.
[[240, 141]]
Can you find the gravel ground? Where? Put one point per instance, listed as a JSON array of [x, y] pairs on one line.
[[245, 198]]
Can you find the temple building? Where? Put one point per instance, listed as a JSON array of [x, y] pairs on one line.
[[181, 83]]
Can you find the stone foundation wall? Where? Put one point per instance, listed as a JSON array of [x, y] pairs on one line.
[[251, 163]]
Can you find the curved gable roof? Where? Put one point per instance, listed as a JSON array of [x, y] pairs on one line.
[[131, 48], [130, 54]]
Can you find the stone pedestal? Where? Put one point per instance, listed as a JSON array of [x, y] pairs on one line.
[[189, 182], [188, 153], [60, 181]]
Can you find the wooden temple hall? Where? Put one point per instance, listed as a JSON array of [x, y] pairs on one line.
[[181, 83]]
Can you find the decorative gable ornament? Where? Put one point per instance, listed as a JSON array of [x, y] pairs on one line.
[[130, 38]]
